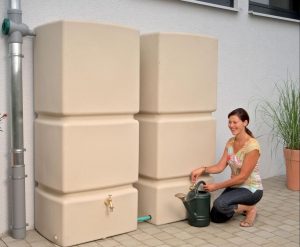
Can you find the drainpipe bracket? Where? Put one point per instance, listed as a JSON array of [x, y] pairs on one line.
[[19, 150]]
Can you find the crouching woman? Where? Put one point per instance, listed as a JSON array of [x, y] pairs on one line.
[[244, 188]]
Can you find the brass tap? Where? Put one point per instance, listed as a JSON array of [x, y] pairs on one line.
[[108, 203]]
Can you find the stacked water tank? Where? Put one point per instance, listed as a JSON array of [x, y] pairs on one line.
[[86, 138], [177, 130]]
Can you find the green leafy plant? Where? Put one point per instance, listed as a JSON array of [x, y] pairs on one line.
[[2, 117], [282, 114]]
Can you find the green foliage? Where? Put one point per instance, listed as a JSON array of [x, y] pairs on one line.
[[282, 114]]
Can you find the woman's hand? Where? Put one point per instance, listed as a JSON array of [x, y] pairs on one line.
[[196, 173], [210, 187]]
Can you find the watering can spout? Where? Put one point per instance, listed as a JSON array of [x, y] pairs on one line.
[[182, 197]]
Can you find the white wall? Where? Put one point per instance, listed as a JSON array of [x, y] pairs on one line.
[[254, 52]]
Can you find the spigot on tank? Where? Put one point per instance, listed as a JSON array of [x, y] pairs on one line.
[[108, 203]]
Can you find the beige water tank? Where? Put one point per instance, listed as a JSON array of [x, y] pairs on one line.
[[86, 90], [177, 130]]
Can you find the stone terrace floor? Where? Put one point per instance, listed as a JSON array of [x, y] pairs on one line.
[[277, 224]]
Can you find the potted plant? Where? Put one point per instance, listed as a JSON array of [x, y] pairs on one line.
[[282, 115]]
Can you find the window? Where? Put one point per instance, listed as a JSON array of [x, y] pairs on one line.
[[283, 8], [227, 3]]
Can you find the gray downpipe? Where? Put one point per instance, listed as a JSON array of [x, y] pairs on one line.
[[15, 30]]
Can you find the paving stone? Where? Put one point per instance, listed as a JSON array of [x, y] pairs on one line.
[[153, 242], [151, 230], [174, 242], [250, 229], [238, 240], [244, 234], [181, 224], [283, 233], [286, 227], [225, 235], [209, 245], [230, 245], [108, 243], [163, 235], [194, 230], [135, 232], [265, 234], [217, 241], [7, 239], [279, 240], [183, 235], [295, 238], [89, 244], [195, 241], [2, 244], [130, 242], [291, 244], [19, 243], [171, 229], [291, 222], [33, 236], [144, 225], [267, 228], [272, 222], [250, 244], [122, 237], [272, 245], [142, 236], [259, 240]]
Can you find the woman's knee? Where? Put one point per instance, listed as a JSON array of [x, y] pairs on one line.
[[258, 195], [218, 217], [220, 205]]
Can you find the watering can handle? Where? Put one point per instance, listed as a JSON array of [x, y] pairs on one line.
[[198, 185]]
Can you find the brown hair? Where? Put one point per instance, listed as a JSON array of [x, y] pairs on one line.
[[243, 115]]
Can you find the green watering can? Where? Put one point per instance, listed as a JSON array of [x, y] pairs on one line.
[[197, 204]]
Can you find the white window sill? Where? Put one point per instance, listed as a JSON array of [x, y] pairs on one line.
[[212, 5], [273, 16]]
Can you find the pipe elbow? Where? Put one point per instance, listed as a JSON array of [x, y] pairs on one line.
[[8, 27]]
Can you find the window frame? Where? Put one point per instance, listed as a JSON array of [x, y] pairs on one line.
[[269, 10], [213, 5], [225, 3]]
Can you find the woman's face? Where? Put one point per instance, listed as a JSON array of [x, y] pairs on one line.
[[236, 125]]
